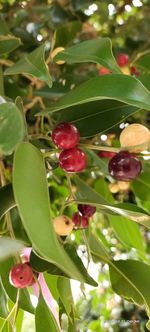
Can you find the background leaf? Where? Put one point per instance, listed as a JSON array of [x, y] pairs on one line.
[[8, 43], [34, 65], [44, 319], [11, 127]]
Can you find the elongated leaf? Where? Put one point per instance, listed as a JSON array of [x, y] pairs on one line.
[[31, 195], [11, 127], [141, 186], [41, 265], [3, 302], [7, 200], [9, 247], [96, 117], [44, 319], [32, 64], [130, 279], [126, 231], [24, 298], [66, 33], [86, 195], [144, 62], [95, 50], [8, 44], [123, 88], [64, 289]]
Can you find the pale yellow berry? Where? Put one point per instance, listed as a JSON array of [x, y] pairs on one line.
[[114, 188], [123, 185], [63, 225], [55, 52], [125, 70], [135, 134]]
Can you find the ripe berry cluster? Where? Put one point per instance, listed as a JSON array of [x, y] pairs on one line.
[[81, 218], [66, 136], [122, 61]]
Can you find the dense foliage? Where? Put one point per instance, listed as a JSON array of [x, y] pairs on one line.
[[73, 204]]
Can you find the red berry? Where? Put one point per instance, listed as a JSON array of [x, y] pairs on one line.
[[65, 135], [122, 59], [21, 276], [106, 154], [73, 160], [124, 166], [76, 218], [104, 71], [134, 71], [86, 210], [80, 221]]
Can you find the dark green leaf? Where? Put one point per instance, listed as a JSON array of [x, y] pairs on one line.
[[67, 32], [95, 50], [7, 200], [8, 44], [12, 129], [32, 64], [64, 289]]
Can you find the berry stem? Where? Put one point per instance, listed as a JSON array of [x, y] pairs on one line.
[[89, 257], [16, 307]]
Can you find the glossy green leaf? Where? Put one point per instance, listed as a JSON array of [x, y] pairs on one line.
[[3, 302], [96, 117], [32, 64], [86, 195], [31, 194], [95, 50], [123, 88], [24, 298], [7, 200], [127, 231], [11, 128], [130, 279], [41, 265], [44, 319], [8, 44], [9, 247]]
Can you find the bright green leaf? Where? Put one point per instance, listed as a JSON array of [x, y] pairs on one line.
[[44, 319]]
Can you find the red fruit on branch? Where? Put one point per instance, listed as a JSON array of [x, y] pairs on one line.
[[86, 210], [124, 166], [106, 154], [122, 59], [104, 71], [65, 135], [73, 160], [21, 275], [134, 71], [80, 221]]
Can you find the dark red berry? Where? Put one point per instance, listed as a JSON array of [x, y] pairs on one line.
[[21, 275], [84, 222], [104, 71], [76, 218], [80, 221], [124, 166], [65, 135], [134, 71], [122, 59], [86, 210], [106, 154], [73, 160]]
